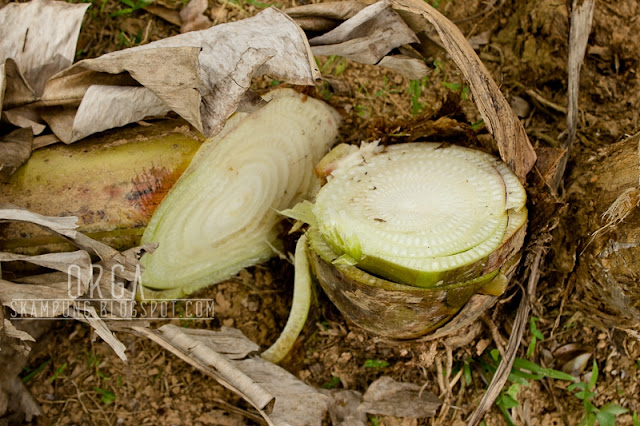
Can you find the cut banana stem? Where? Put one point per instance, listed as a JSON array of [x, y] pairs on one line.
[[422, 214], [221, 216], [112, 182], [401, 237]]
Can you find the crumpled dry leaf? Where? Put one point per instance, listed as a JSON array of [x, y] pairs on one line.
[[508, 131], [361, 33], [41, 37], [14, 334], [30, 53], [280, 397], [193, 18], [45, 299], [387, 397], [201, 75], [53, 294], [89, 314], [170, 15], [60, 225], [16, 403], [25, 117], [10, 331], [118, 105], [366, 37], [384, 397], [14, 88], [324, 16], [412, 68], [343, 410], [15, 149]]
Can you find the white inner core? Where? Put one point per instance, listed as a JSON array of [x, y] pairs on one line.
[[418, 202]]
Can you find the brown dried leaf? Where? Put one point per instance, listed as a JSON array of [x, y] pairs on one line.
[[14, 89], [15, 398], [102, 108], [411, 68], [366, 37], [335, 11], [15, 149], [41, 37], [53, 294], [229, 341], [170, 15], [58, 261], [515, 148], [387, 397], [264, 385], [192, 16], [44, 296], [343, 410], [202, 76], [88, 313], [61, 225], [25, 117], [296, 403], [12, 333], [581, 20]]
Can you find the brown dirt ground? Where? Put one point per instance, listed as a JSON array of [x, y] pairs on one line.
[[524, 45]]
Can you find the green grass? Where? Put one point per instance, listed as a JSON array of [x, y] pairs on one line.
[[415, 91], [375, 363], [463, 91], [522, 373], [603, 416], [477, 125], [58, 372], [132, 7], [106, 396], [333, 383], [361, 110], [535, 336], [30, 374]]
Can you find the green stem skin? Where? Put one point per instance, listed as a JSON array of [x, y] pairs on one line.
[[299, 307], [112, 182], [383, 307], [511, 244]]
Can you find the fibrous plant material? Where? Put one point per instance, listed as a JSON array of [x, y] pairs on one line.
[[112, 182], [221, 216], [384, 307], [402, 237], [607, 272]]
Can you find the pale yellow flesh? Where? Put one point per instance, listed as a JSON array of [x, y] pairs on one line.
[[423, 207], [221, 216]]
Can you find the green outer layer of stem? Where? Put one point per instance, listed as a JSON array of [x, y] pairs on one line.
[[299, 307]]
